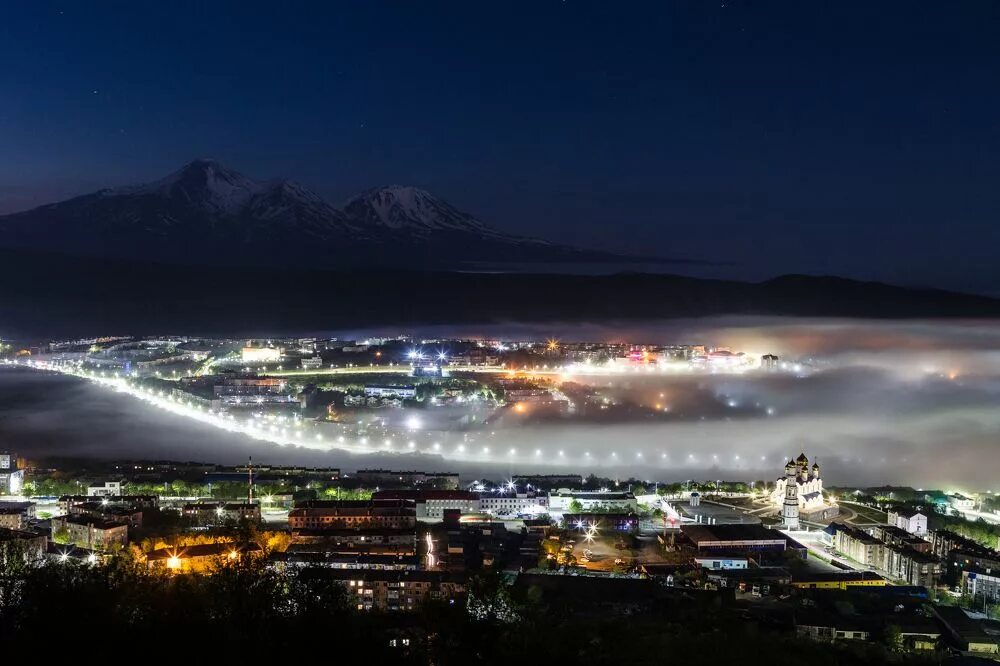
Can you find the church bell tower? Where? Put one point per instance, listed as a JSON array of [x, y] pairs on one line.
[[790, 506]]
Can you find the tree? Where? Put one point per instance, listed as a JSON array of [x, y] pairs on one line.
[[489, 598], [893, 637], [575, 506]]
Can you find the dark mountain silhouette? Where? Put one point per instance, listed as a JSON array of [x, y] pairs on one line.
[[208, 214], [54, 295]]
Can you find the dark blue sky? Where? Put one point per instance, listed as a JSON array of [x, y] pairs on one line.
[[856, 138]]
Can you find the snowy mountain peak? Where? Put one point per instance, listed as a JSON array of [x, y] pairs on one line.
[[207, 210], [203, 183], [412, 209]]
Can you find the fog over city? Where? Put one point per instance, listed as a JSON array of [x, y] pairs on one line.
[[912, 402]]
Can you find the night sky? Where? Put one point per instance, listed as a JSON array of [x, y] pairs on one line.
[[853, 138]]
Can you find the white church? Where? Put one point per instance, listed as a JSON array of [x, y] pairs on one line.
[[799, 494]]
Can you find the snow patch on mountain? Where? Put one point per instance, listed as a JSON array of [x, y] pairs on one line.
[[409, 208], [203, 183]]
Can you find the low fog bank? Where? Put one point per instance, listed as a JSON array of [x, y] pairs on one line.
[[914, 403]]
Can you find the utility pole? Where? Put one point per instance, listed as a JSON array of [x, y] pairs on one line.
[[250, 480]]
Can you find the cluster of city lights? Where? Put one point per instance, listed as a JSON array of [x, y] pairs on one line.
[[294, 431]]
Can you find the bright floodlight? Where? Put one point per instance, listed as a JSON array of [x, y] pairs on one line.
[[413, 423], [442, 356]]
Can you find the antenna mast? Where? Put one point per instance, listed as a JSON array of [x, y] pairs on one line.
[[250, 480]]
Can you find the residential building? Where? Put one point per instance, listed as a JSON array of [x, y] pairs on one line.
[[16, 515], [393, 590], [321, 555], [11, 477], [399, 540], [964, 632], [897, 536], [912, 566], [312, 363], [107, 488], [960, 502], [820, 626], [32, 545], [380, 391], [66, 502], [549, 481], [912, 521], [359, 515], [442, 480], [962, 553], [105, 510], [983, 585], [620, 501], [513, 504], [432, 504], [261, 354], [214, 513], [943, 542], [202, 558], [858, 545], [89, 532], [615, 521]]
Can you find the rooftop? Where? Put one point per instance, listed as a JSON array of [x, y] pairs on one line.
[[201, 550], [708, 534]]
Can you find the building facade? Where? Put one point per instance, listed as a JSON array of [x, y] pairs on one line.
[[512, 504], [11, 478], [90, 533], [358, 515], [432, 504], [563, 501], [807, 495], [913, 522]]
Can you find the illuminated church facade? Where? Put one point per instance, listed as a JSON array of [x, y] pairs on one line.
[[799, 493]]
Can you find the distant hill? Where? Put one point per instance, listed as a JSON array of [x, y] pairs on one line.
[[48, 294], [208, 214]]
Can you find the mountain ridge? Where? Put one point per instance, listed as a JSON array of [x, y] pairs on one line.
[[47, 294], [208, 213]]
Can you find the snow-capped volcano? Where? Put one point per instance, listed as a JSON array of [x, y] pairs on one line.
[[203, 183], [208, 213], [412, 209]]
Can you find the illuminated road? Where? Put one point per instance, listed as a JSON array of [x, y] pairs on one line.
[[972, 516], [473, 446]]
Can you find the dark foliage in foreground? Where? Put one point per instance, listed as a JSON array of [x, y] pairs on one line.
[[248, 610]]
